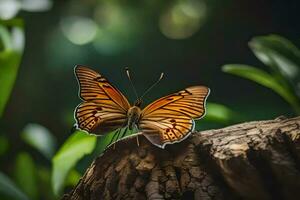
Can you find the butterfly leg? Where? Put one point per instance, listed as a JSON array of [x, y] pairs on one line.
[[137, 140], [137, 136]]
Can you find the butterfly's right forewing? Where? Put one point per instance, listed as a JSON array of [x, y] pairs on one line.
[[103, 108]]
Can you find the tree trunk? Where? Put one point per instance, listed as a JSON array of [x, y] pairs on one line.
[[253, 160]]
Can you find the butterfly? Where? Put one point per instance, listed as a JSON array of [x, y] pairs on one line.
[[167, 120]]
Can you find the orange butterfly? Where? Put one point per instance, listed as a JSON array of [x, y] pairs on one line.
[[167, 120]]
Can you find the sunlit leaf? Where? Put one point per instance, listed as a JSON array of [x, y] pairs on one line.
[[25, 175], [261, 77], [9, 63], [219, 113], [281, 55], [4, 145], [72, 178], [13, 43], [40, 138], [76, 146], [5, 38], [9, 189]]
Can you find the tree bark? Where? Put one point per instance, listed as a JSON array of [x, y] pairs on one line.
[[253, 160]]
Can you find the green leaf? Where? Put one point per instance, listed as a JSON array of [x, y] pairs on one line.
[[220, 113], [4, 145], [40, 138], [76, 146], [9, 63], [110, 138], [25, 175], [263, 78], [72, 178], [10, 57], [281, 55], [9, 189], [5, 38]]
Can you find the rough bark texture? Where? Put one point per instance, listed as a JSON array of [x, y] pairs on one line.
[[254, 160]]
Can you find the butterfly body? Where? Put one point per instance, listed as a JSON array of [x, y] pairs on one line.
[[167, 120], [133, 116]]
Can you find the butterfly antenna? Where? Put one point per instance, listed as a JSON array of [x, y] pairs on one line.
[[131, 83], [153, 85]]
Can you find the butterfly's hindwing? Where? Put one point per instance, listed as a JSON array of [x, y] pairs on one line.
[[95, 119], [161, 131]]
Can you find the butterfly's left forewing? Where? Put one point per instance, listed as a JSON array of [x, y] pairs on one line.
[[171, 119], [103, 108]]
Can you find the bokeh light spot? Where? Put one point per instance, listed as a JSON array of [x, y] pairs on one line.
[[119, 27], [9, 8], [79, 30], [36, 5], [183, 19]]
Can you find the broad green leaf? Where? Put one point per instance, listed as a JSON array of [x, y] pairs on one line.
[[4, 145], [219, 113], [281, 55], [76, 146], [5, 39], [72, 178], [9, 188], [9, 63], [40, 138], [25, 175], [10, 57], [261, 77]]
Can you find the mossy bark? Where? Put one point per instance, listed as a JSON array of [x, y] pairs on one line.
[[253, 160]]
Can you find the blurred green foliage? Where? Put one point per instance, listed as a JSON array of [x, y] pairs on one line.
[[283, 59], [27, 183], [4, 145], [220, 113], [25, 173], [12, 43], [40, 138], [74, 148], [11, 50], [9, 189]]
